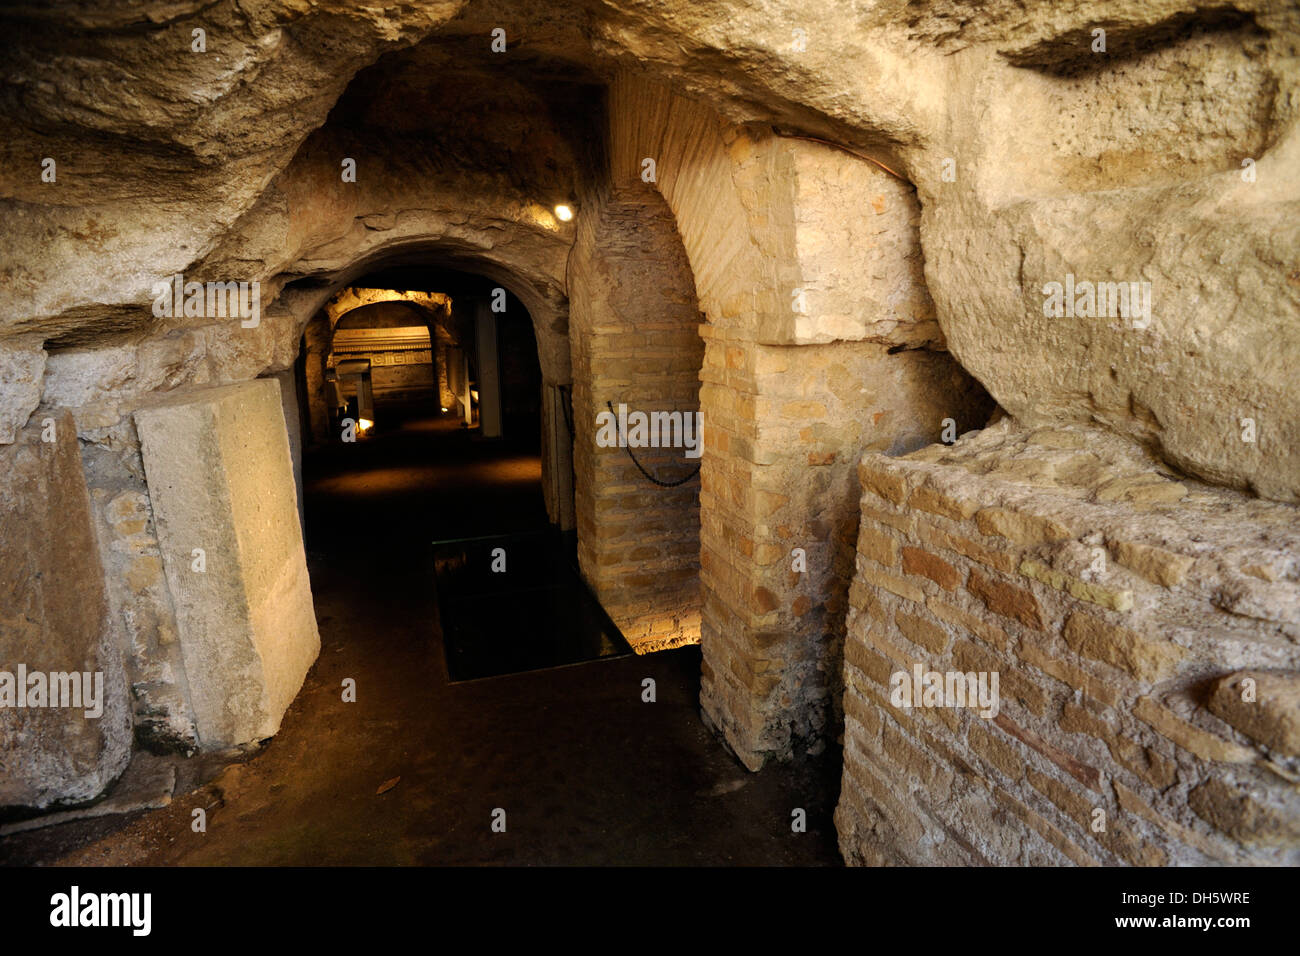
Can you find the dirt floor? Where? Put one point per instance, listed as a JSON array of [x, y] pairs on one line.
[[586, 772]]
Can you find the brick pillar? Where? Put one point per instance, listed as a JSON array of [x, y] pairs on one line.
[[784, 429], [772, 618]]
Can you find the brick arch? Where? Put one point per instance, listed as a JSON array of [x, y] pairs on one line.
[[694, 167], [736, 264], [791, 243], [516, 270], [635, 344], [317, 343]]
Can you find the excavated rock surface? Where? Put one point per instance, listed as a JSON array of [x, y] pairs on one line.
[[1034, 157]]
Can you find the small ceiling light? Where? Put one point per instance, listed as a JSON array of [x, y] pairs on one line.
[[563, 213]]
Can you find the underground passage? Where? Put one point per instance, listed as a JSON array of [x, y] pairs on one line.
[[621, 433]]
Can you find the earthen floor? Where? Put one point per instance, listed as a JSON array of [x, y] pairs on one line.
[[586, 772]]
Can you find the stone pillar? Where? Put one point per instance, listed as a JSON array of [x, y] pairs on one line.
[[784, 427], [489, 371], [316, 349], [821, 342], [458, 374], [293, 424], [221, 485], [557, 458]]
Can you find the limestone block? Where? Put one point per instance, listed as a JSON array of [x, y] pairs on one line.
[[293, 422], [1268, 711], [53, 620], [1241, 816], [222, 488], [1145, 659], [21, 370], [862, 273]]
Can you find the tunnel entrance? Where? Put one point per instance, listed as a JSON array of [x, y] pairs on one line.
[[424, 395], [421, 388]]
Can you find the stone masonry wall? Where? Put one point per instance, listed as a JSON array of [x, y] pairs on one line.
[[1145, 630], [636, 341]]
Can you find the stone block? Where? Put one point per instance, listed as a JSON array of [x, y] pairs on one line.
[[895, 585], [1023, 529], [987, 632], [1241, 816], [1145, 659], [1153, 563], [1191, 738], [940, 503], [877, 546], [221, 483], [922, 632], [934, 538], [1117, 599], [878, 477], [1267, 709], [54, 630]]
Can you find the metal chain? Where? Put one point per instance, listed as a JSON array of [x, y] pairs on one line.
[[627, 448]]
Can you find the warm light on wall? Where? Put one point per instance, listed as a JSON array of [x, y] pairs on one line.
[[563, 213]]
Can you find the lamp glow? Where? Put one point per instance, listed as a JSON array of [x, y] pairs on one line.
[[563, 213]]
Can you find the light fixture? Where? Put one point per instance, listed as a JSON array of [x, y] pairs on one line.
[[364, 424], [444, 408], [563, 213]]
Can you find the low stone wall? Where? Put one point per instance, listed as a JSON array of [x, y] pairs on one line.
[[1146, 636]]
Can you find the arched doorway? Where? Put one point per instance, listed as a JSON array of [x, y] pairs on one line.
[[430, 406], [450, 363]]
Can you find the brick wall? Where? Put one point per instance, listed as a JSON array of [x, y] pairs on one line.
[[636, 341], [1124, 611], [821, 342], [784, 426]]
